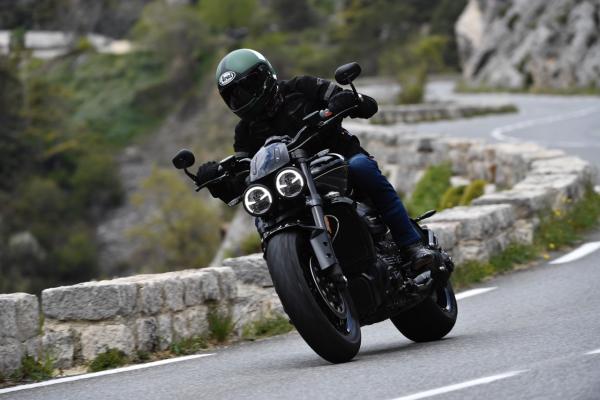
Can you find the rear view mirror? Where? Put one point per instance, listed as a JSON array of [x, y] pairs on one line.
[[345, 74], [183, 159]]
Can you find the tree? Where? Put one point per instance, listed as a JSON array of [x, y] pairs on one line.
[[180, 230]]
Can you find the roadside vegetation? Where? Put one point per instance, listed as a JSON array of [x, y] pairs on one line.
[[63, 122], [31, 370]]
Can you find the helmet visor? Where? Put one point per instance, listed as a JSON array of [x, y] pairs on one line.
[[242, 93]]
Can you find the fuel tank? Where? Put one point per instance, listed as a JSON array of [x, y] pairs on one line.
[[330, 173]]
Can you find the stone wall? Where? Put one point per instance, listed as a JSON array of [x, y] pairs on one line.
[[410, 114], [149, 312]]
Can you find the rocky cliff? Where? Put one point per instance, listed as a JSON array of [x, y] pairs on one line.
[[538, 44]]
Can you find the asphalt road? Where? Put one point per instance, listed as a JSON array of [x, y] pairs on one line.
[[571, 123], [531, 333]]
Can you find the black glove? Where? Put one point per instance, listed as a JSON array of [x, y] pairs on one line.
[[341, 101], [207, 172]]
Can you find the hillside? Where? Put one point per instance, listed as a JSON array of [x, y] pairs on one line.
[[531, 44]]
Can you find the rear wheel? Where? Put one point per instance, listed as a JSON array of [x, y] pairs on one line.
[[432, 319], [323, 315]]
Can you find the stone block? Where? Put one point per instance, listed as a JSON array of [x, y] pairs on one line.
[[8, 319], [147, 334], [97, 338], [164, 330], [150, 299], [523, 232], [566, 187], [10, 356], [477, 222], [173, 290], [90, 301], [226, 282], [525, 202], [194, 287], [561, 166], [28, 315], [250, 270], [197, 322], [446, 232], [19, 316], [60, 343], [180, 326]]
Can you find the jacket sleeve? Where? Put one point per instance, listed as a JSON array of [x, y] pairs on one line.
[[317, 89], [242, 145]]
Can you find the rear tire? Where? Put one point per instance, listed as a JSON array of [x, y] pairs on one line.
[[335, 339], [430, 320]]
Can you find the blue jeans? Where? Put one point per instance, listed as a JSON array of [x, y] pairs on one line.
[[367, 178]]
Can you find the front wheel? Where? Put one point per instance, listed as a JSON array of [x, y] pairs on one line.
[[430, 320], [323, 315]]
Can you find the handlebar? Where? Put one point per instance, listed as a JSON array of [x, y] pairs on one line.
[[318, 120]]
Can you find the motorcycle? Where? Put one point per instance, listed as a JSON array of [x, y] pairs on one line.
[[332, 260]]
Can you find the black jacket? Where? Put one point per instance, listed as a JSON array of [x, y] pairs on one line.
[[301, 96]]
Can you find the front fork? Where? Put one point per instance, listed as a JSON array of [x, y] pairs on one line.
[[320, 240]]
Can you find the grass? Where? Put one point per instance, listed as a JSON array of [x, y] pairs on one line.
[[557, 230], [111, 358], [430, 189], [31, 370], [188, 346], [220, 325], [267, 327]]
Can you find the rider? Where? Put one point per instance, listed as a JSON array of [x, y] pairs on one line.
[[248, 84]]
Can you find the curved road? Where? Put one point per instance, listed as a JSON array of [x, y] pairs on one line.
[[532, 334]]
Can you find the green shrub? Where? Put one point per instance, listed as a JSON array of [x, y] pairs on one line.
[[220, 325], [111, 358], [267, 327], [474, 190], [430, 189], [451, 197], [188, 346], [33, 370]]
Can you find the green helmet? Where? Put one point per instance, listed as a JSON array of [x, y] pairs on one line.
[[247, 82]]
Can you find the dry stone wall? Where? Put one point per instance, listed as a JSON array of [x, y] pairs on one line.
[[150, 312]]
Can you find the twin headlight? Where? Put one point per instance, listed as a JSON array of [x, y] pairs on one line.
[[258, 199]]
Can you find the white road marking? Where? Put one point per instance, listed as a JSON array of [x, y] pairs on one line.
[[500, 133], [474, 292], [578, 253], [459, 386], [597, 351], [597, 188], [102, 373]]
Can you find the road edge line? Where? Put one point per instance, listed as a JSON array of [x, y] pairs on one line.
[[103, 373]]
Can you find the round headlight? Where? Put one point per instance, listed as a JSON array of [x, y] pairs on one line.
[[257, 200], [289, 182]]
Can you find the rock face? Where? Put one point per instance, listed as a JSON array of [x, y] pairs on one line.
[[520, 44]]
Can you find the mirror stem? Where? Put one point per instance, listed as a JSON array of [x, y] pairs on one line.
[[192, 177], [355, 92]]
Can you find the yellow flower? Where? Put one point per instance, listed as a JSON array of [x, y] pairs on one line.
[[546, 256], [551, 246]]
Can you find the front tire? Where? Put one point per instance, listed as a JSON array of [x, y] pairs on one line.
[[332, 332], [430, 320]]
